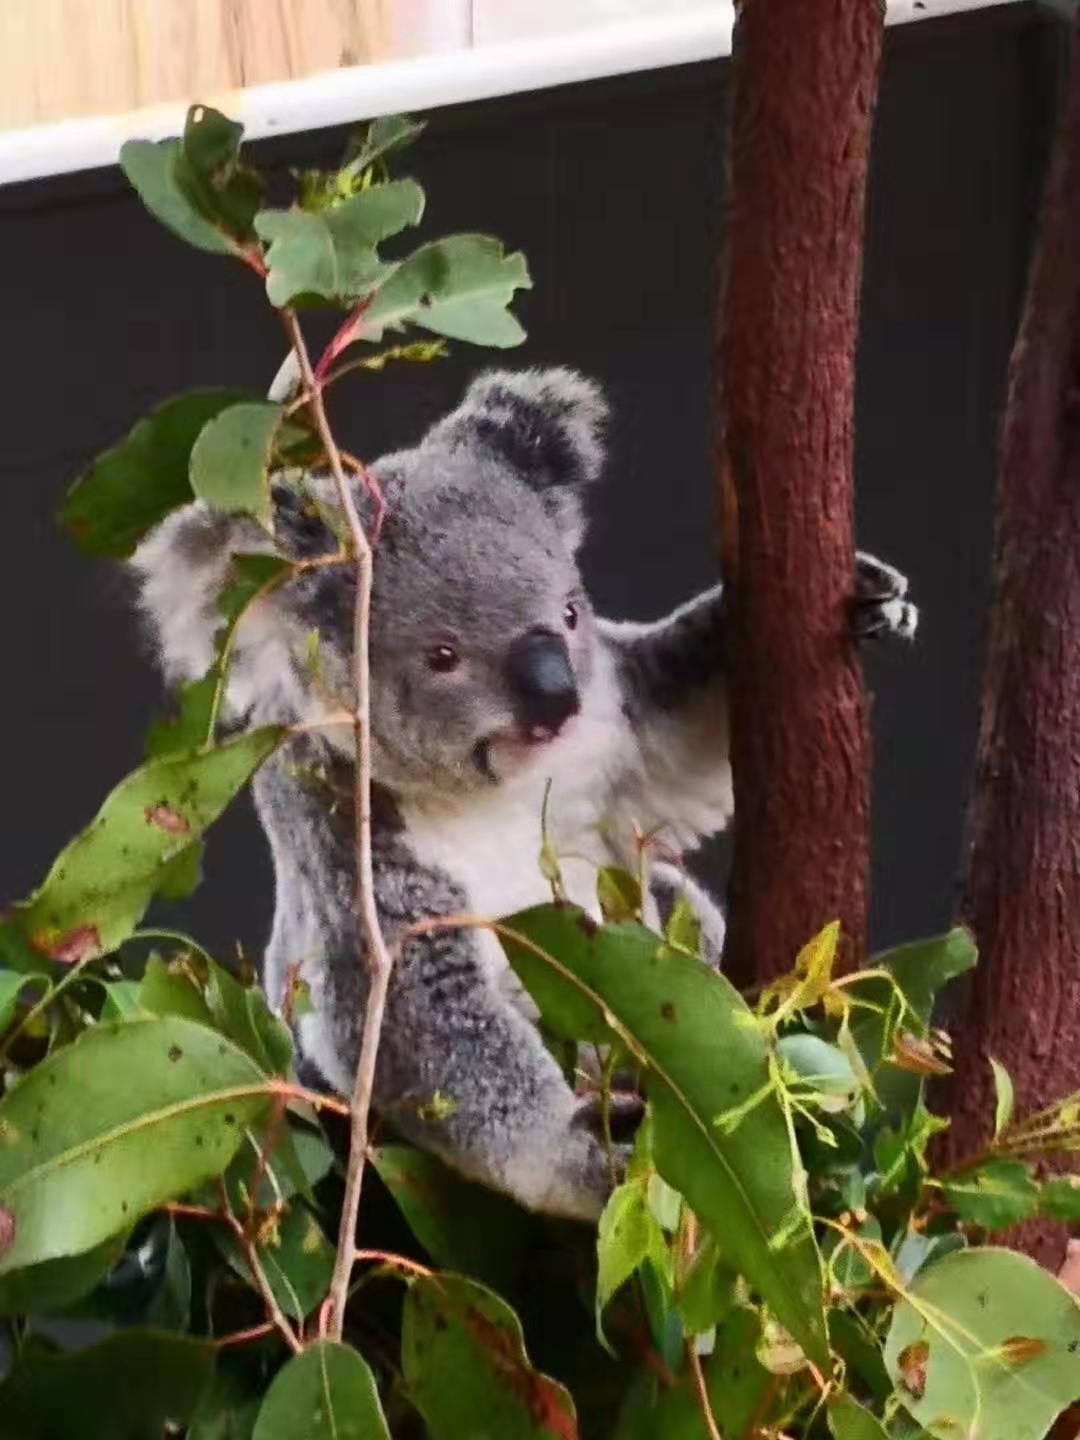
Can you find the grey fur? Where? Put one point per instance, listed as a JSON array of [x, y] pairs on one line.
[[483, 521]]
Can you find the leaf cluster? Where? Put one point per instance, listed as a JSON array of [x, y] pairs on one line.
[[779, 1257]]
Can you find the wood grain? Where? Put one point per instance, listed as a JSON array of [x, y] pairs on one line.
[[61, 59]]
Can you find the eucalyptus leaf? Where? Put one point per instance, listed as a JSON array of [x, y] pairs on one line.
[[464, 1361], [1004, 1097], [920, 971], [721, 1137], [231, 459], [296, 1257], [985, 1343], [848, 1420], [332, 252], [11, 984], [627, 1233], [156, 171], [131, 1386], [1059, 1198], [459, 287], [994, 1195], [101, 883], [55, 1284], [132, 486], [462, 1226], [74, 1163], [327, 1392]]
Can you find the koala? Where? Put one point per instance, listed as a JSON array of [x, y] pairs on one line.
[[494, 683]]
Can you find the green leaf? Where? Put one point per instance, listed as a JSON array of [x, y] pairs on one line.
[[241, 1013], [11, 983], [464, 1361], [821, 1066], [994, 1195], [707, 1293], [230, 462], [859, 1347], [1059, 1198], [848, 1268], [389, 132], [914, 1250], [618, 893], [78, 1133], [458, 287], [209, 172], [296, 1258], [462, 1226], [195, 186], [129, 1387], [132, 486], [171, 990], [1004, 1096], [985, 1343], [683, 928], [156, 171], [326, 1392], [55, 1284], [627, 1233], [181, 876], [706, 1059], [229, 1406], [249, 576], [101, 883], [920, 970], [736, 1384], [332, 252], [849, 1421]]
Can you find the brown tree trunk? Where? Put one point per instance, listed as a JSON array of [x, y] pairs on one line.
[[1022, 890], [805, 81]]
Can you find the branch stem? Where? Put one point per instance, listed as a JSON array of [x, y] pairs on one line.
[[379, 959]]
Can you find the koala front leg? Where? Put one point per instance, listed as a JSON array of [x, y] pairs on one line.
[[464, 1073]]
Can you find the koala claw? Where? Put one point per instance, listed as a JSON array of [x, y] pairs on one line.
[[880, 608]]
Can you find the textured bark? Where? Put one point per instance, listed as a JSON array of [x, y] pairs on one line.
[[1022, 889], [805, 81]]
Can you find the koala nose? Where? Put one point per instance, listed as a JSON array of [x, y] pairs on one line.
[[543, 685]]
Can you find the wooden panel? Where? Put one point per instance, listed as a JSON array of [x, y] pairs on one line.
[[65, 58]]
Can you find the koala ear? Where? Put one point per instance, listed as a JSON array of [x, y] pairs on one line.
[[547, 425]]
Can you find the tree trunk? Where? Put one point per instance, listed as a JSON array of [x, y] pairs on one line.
[[805, 81], [1022, 889]]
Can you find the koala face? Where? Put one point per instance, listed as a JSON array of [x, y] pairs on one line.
[[482, 637]]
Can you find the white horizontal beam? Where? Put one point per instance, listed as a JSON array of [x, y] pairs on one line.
[[670, 35]]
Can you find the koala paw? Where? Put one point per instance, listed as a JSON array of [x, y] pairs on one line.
[[880, 608]]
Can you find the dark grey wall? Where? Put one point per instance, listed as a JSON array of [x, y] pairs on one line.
[[614, 190]]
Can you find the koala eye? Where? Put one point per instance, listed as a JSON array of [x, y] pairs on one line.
[[570, 615], [443, 658]]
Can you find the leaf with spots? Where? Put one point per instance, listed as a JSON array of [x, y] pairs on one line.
[[987, 1343], [722, 1138], [296, 1257], [86, 1148], [327, 1392], [464, 1360], [101, 883]]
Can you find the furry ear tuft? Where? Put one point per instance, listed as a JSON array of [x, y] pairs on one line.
[[546, 425]]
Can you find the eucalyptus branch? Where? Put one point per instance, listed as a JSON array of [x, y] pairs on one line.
[[379, 959]]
